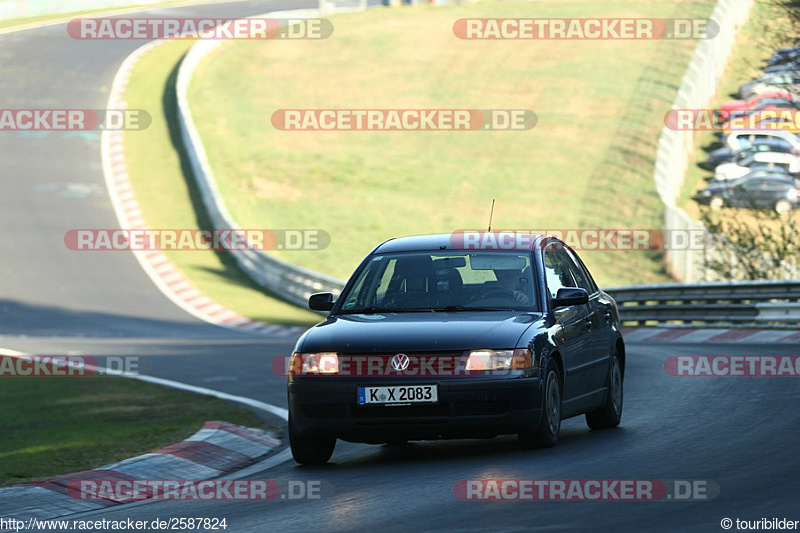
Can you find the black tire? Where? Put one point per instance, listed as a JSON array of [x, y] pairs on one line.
[[545, 434], [610, 414], [716, 203], [783, 207], [308, 450]]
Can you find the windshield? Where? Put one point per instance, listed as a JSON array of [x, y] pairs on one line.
[[446, 281]]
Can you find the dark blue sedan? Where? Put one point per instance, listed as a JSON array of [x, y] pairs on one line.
[[435, 338]]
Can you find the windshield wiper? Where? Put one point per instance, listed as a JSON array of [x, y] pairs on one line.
[[465, 308], [374, 310]]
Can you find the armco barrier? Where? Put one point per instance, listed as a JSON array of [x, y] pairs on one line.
[[758, 303]]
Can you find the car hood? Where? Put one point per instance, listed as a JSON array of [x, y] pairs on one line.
[[416, 332]]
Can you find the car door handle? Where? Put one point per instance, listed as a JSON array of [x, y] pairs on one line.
[[608, 316], [589, 323]]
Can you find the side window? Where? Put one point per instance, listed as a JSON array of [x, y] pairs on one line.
[[774, 186], [583, 277], [576, 271], [556, 270]]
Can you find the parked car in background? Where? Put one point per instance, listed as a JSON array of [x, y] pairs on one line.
[[785, 55], [726, 155], [757, 190], [767, 98], [790, 66], [771, 82], [739, 139], [788, 163]]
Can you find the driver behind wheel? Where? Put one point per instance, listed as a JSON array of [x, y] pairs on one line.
[[515, 282]]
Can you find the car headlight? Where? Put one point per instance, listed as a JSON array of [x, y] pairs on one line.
[[706, 193], [791, 195], [499, 359], [314, 363]]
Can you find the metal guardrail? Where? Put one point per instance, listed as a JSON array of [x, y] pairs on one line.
[[757, 303]]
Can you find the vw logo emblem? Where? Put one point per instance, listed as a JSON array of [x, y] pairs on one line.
[[400, 362]]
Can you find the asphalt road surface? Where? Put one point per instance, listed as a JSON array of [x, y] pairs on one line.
[[741, 433]]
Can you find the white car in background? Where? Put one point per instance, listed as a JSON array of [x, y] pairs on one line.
[[758, 161], [736, 140]]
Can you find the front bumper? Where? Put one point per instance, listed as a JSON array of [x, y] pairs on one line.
[[474, 408]]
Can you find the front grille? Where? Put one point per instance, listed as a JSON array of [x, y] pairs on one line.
[[420, 363]]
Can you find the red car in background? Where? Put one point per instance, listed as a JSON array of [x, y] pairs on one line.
[[759, 100]]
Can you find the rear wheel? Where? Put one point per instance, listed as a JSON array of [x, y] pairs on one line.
[[783, 206], [610, 414], [310, 450], [545, 434]]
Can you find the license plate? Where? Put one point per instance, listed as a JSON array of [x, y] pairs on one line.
[[398, 395]]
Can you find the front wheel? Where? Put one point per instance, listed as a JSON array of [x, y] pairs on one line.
[[610, 414], [545, 434], [309, 450]]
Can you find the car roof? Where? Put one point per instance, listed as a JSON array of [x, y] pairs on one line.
[[434, 242], [769, 133], [777, 176]]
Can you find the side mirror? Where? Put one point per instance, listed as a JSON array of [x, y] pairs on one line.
[[570, 296], [321, 301]]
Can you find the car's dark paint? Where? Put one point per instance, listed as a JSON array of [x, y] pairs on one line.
[[725, 154], [759, 189], [789, 80], [578, 338]]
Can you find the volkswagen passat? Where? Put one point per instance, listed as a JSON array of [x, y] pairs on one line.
[[434, 337]]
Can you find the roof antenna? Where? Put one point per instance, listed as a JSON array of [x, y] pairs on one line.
[[491, 215]]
